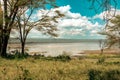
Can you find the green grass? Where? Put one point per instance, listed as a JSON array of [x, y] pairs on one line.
[[58, 68]]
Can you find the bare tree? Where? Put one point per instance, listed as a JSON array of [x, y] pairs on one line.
[[112, 32], [102, 45]]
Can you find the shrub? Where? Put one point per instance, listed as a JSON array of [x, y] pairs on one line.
[[94, 75], [62, 58], [35, 56], [17, 55], [101, 60], [104, 75]]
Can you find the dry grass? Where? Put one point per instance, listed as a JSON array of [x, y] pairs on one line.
[[43, 69]]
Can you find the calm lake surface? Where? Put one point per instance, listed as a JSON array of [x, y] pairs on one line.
[[59, 48], [56, 47]]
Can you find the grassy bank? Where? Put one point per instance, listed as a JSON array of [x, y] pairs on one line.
[[82, 68]]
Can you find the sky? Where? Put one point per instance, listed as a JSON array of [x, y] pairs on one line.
[[80, 22]]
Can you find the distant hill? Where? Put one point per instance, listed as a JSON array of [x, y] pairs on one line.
[[37, 40]]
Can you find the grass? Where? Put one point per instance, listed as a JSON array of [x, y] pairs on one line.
[[57, 68]]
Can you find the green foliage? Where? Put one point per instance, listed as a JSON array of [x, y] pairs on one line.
[[113, 63], [101, 59], [104, 75], [63, 58], [38, 56], [17, 55], [94, 75]]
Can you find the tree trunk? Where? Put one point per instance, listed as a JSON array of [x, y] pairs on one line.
[[0, 43], [23, 48], [0, 38], [4, 46]]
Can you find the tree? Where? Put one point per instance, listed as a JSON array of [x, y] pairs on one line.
[[45, 24], [9, 11], [8, 17], [112, 31], [102, 45]]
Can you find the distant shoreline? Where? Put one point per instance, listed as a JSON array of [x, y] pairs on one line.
[[36, 40]]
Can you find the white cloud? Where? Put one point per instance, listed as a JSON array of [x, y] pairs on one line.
[[76, 31], [64, 9], [71, 25], [76, 23], [72, 31], [109, 14], [94, 31], [73, 15], [35, 34]]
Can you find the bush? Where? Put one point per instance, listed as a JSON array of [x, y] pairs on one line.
[[101, 60], [94, 75], [17, 55], [35, 56], [62, 58], [104, 75]]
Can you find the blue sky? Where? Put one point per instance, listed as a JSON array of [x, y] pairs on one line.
[[78, 6], [79, 22], [82, 6]]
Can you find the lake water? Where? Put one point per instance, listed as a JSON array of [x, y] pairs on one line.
[[58, 48]]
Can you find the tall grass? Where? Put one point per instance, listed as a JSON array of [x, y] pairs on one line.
[[55, 68]]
